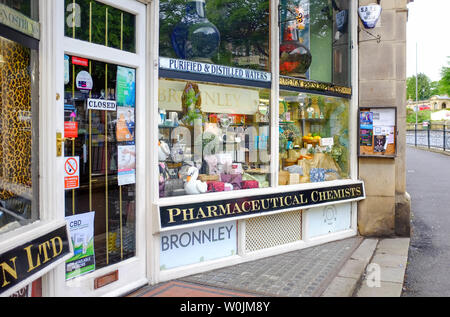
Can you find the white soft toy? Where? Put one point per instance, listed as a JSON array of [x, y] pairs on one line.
[[163, 151], [194, 186]]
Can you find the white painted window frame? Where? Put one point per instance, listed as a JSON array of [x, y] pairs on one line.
[[56, 46]]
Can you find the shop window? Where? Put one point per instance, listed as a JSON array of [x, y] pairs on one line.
[[314, 138], [18, 136], [95, 22], [100, 126], [230, 33], [315, 40], [212, 137]]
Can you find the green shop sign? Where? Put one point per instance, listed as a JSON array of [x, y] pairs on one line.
[[19, 22]]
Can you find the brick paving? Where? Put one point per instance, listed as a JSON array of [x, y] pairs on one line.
[[302, 273], [184, 289]]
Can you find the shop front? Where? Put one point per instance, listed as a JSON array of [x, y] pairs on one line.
[[145, 141], [256, 134]]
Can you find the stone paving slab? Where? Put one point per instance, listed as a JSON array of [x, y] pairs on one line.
[[387, 269], [386, 289], [341, 287], [398, 246], [390, 260], [347, 280], [365, 250], [305, 272]]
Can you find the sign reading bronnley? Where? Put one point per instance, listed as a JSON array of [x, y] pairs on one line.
[[171, 216]]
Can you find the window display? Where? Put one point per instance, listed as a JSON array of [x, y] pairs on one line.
[[314, 138], [99, 115], [230, 33], [212, 138], [18, 136]]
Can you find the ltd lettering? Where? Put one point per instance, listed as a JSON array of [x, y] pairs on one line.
[[28, 259]]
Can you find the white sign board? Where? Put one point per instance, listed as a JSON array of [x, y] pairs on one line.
[[194, 245], [72, 172], [328, 219], [101, 104], [211, 69], [84, 81]]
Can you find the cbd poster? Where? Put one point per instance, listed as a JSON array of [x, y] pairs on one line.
[[126, 87], [81, 228]]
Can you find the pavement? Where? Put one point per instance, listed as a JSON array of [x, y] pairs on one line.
[[352, 267]]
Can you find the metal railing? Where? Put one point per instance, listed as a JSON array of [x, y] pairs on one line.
[[433, 135]]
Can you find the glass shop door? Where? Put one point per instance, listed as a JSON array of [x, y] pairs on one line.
[[103, 144]]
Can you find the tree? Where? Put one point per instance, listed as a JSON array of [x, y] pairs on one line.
[[424, 87], [444, 83]]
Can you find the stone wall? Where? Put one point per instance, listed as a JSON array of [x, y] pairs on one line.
[[382, 83]]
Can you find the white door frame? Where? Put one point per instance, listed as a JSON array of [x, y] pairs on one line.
[[132, 272]]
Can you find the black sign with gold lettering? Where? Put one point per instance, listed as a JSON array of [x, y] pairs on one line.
[[310, 85], [28, 259], [171, 216]]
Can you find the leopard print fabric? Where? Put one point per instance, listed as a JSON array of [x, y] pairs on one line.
[[15, 121]]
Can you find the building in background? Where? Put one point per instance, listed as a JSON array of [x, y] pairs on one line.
[[434, 103], [176, 137]]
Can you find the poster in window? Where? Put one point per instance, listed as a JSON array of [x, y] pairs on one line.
[[126, 87], [81, 228], [125, 127], [126, 164]]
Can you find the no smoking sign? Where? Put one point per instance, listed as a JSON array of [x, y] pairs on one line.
[[72, 172]]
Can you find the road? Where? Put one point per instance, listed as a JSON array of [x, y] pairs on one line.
[[428, 183]]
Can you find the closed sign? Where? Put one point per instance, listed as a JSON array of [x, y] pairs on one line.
[[101, 104]]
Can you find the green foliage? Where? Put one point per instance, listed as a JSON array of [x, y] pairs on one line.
[[444, 83], [243, 27], [423, 115], [120, 35], [424, 87]]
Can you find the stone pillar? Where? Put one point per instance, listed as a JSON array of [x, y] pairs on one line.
[[382, 83]]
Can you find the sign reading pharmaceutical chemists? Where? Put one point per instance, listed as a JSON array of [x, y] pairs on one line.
[[204, 243], [28, 260], [210, 69], [171, 216]]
